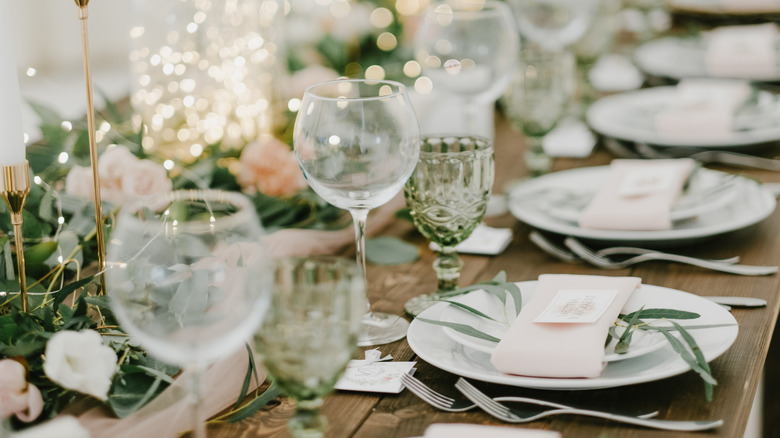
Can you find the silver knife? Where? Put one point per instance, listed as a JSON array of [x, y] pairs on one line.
[[738, 301]]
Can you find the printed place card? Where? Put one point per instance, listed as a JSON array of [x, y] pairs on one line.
[[484, 240], [577, 306], [373, 376], [643, 182]]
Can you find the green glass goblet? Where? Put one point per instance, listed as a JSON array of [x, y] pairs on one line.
[[310, 332], [447, 197]]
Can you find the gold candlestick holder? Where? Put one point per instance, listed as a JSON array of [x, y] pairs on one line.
[[16, 187], [101, 247]]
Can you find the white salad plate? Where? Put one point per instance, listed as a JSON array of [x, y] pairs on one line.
[[629, 116], [503, 315], [751, 204], [431, 344]]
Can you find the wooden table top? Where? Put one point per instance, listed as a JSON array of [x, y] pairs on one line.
[[738, 371]]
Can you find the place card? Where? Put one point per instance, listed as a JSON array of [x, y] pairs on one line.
[[484, 240], [646, 181], [374, 376], [577, 306]]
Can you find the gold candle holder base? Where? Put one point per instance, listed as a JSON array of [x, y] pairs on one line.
[[16, 187]]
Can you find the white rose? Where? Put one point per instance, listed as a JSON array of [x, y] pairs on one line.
[[79, 361], [112, 165], [145, 177], [61, 427], [79, 182]]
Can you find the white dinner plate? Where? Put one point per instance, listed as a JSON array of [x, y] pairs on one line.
[[752, 204], [430, 343], [629, 116], [678, 58], [642, 342], [708, 190]]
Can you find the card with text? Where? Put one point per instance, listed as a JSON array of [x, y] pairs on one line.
[[577, 305]]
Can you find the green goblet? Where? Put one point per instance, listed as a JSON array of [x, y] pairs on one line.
[[310, 332], [447, 196]]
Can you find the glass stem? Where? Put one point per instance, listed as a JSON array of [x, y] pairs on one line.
[[198, 425], [308, 422], [448, 266], [359, 216], [536, 160]]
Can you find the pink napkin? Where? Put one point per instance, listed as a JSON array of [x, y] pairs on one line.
[[457, 430], [563, 349], [746, 51], [702, 108], [637, 195]]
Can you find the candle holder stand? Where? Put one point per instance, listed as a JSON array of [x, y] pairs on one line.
[[16, 187]]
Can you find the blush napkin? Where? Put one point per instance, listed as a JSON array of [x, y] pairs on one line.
[[562, 350], [745, 51], [637, 195], [461, 430]]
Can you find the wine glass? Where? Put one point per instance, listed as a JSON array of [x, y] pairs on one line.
[[537, 98], [447, 197], [189, 278], [553, 24], [310, 332], [357, 141], [468, 48]]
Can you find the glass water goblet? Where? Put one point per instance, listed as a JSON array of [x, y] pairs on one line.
[[447, 196], [553, 24], [537, 99], [310, 332], [189, 278], [468, 48], [357, 141]]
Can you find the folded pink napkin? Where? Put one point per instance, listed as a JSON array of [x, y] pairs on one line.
[[460, 430], [637, 195], [702, 108], [565, 349], [746, 51]]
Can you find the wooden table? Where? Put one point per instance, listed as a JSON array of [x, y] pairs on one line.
[[738, 371]]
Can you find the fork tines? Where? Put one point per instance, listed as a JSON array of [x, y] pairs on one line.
[[425, 393]]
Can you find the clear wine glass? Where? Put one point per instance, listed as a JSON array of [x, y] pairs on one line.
[[553, 24], [447, 197], [537, 99], [357, 141], [189, 278], [310, 332], [468, 48]]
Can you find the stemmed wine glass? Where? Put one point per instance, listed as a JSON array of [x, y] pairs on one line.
[[553, 24], [447, 196], [310, 332], [357, 141], [468, 48], [189, 278], [537, 98]]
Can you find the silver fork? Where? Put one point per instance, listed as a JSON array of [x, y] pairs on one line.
[[567, 256], [602, 261], [450, 404], [511, 415], [710, 156]]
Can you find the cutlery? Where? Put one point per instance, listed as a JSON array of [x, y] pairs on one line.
[[738, 301], [514, 415], [565, 255], [450, 404], [604, 262]]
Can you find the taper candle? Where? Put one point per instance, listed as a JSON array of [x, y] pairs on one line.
[[11, 131]]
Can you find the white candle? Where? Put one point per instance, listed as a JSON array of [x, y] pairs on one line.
[[11, 130]]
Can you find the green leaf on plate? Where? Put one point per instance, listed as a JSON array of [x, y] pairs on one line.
[[625, 339], [661, 313], [462, 328], [387, 250]]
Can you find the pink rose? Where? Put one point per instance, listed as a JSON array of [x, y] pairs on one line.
[[145, 177], [302, 79], [112, 165], [270, 166], [17, 397]]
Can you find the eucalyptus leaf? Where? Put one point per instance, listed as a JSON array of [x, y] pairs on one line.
[[462, 328], [191, 297], [255, 405], [388, 250], [625, 339], [661, 314], [469, 309], [132, 392]]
